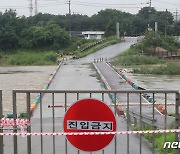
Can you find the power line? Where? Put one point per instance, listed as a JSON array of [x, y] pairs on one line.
[[109, 3], [28, 6], [33, 7], [104, 5], [14, 7], [52, 4], [160, 1]]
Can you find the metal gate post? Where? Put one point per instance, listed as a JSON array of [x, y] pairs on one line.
[[28, 127], [140, 136], [128, 122], [15, 127], [177, 120], [41, 123], [53, 113], [1, 130], [65, 95], [103, 151], [115, 138]]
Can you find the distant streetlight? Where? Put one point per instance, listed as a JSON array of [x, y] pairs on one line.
[[117, 30], [156, 26]]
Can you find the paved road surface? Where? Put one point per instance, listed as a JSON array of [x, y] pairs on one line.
[[111, 51], [117, 83], [76, 75]]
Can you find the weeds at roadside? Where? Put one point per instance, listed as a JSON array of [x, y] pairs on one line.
[[103, 44], [158, 139], [31, 58], [169, 69]]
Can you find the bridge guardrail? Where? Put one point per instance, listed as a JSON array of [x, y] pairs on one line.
[[146, 120], [53, 97]]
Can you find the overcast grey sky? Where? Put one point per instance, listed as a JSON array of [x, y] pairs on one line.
[[88, 7]]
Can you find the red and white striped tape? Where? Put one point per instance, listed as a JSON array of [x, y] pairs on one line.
[[93, 133], [143, 104], [120, 104], [14, 122]]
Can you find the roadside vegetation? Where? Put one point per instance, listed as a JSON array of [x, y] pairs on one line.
[[131, 60], [158, 139], [104, 43], [49, 57], [167, 69], [47, 32], [25, 58], [142, 63]]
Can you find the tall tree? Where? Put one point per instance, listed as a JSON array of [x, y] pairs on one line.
[[49, 36], [10, 29]]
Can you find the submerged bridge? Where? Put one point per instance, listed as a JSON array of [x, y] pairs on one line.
[[77, 80]]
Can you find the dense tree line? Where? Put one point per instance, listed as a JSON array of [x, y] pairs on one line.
[[51, 31]]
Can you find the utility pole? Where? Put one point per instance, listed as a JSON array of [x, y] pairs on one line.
[[166, 25], [36, 8], [176, 18], [69, 2], [117, 30], [150, 3], [30, 7], [149, 14], [176, 15]]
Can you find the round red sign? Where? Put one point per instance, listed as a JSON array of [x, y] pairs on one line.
[[89, 115]]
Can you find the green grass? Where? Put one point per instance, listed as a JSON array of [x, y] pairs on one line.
[[167, 69], [30, 58], [133, 56], [158, 139], [130, 60], [103, 44], [151, 65], [40, 57], [75, 42], [133, 50], [172, 114]]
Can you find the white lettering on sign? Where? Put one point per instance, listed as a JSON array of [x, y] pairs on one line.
[[90, 125]]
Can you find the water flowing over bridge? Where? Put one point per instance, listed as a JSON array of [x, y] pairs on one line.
[[77, 80]]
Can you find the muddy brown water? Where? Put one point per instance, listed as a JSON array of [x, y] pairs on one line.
[[158, 82], [22, 77], [34, 77]]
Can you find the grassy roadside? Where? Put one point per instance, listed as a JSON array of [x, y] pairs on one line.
[[25, 58], [108, 41], [167, 69], [133, 56], [142, 64], [158, 139], [49, 57], [136, 60]]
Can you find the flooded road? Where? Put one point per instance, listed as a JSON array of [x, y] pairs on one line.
[[73, 75], [22, 77], [34, 77], [158, 82]]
